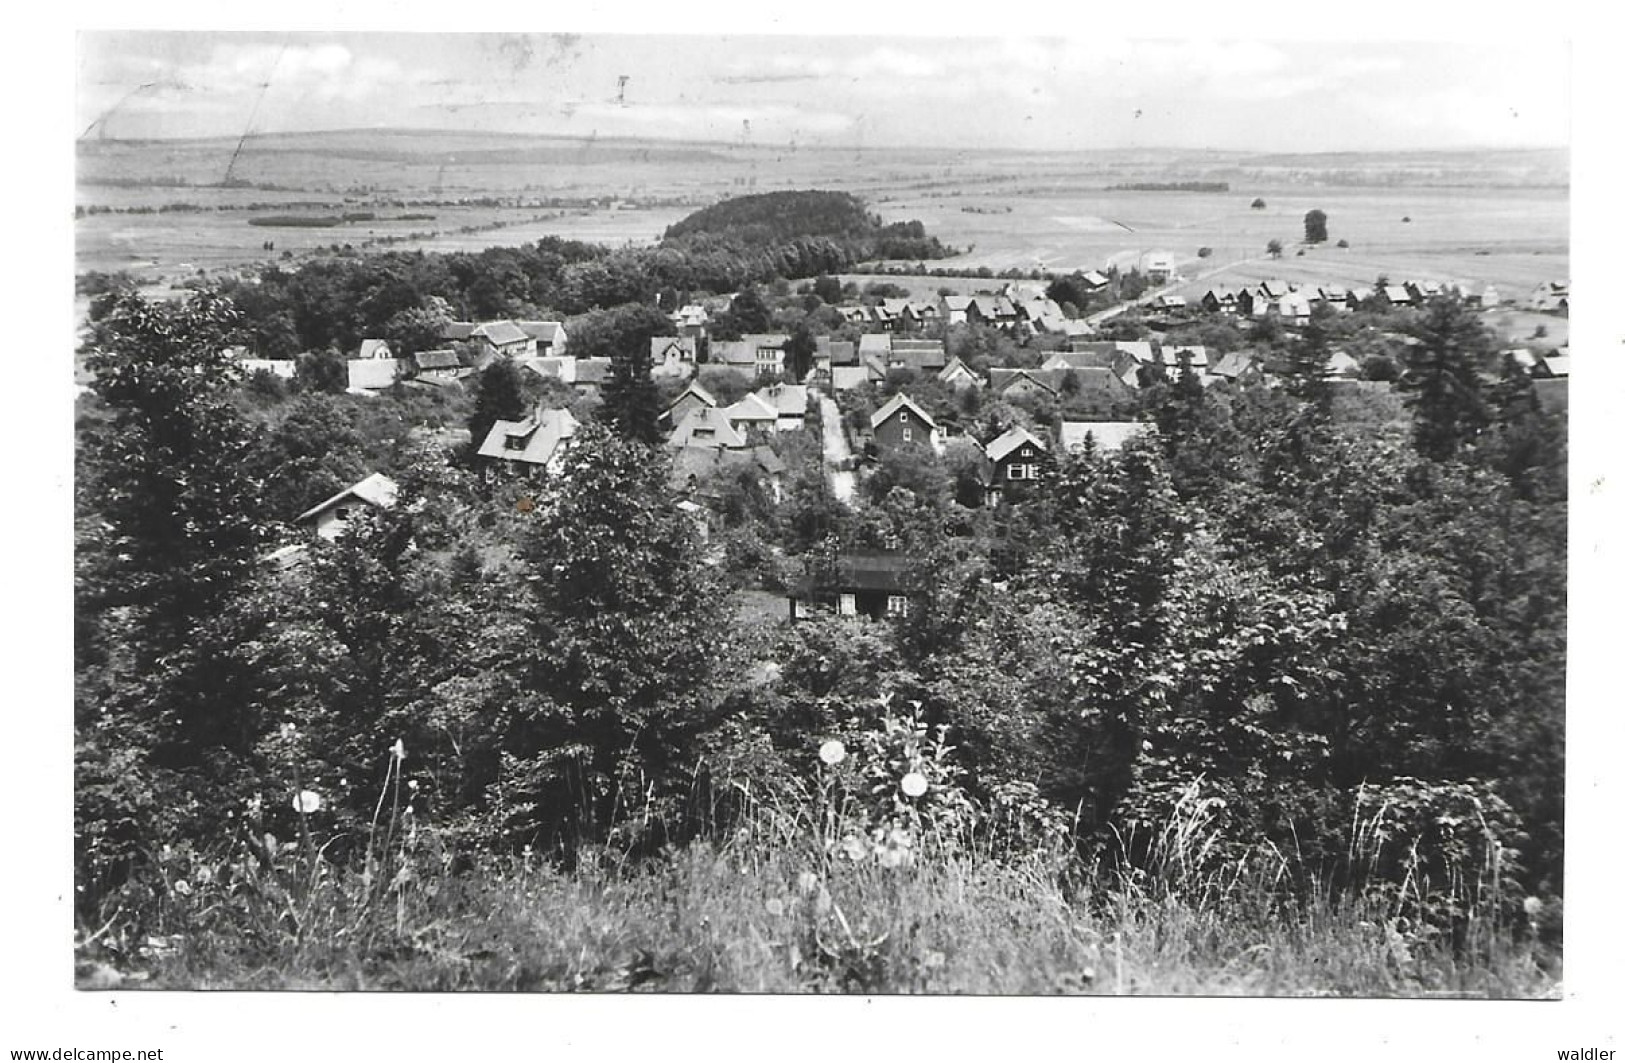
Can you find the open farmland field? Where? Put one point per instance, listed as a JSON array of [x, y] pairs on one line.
[[1497, 218]]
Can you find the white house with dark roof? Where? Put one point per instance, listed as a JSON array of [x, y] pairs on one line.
[[331, 519], [534, 444], [375, 349], [673, 356], [707, 427], [548, 338]]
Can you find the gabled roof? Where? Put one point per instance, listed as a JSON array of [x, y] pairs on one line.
[[956, 303], [1002, 380], [687, 347], [920, 355], [374, 349], [843, 352], [441, 359], [898, 402], [874, 343], [957, 370], [1557, 365], [1274, 289], [1096, 279], [698, 460], [592, 370], [733, 353], [375, 490], [751, 409], [456, 331], [695, 390], [790, 400], [707, 426], [543, 331], [1098, 356], [534, 441], [1397, 293], [1092, 379], [775, 340], [1233, 364], [1108, 435], [500, 333], [1171, 356], [847, 377], [1013, 437]]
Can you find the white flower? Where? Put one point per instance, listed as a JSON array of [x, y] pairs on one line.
[[307, 801], [398, 750], [806, 882], [832, 752], [914, 784], [183, 888], [1531, 906], [289, 731], [411, 784], [775, 907]]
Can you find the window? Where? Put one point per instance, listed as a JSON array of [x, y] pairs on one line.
[[515, 442], [342, 513], [908, 435], [903, 416], [849, 605], [896, 605]]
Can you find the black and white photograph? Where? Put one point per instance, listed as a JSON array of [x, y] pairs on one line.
[[1003, 511]]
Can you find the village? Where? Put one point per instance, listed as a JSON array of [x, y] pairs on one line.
[[1032, 381]]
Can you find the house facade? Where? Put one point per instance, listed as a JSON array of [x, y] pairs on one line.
[[901, 423], [332, 518]]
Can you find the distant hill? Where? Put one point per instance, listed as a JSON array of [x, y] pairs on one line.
[[778, 218]]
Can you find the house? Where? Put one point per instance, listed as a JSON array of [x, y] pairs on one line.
[[901, 423], [442, 364], [996, 310], [332, 518], [1220, 301], [1094, 356], [375, 349], [1104, 436], [1014, 460], [855, 315], [756, 354], [1238, 367], [707, 427], [1553, 367], [1012, 383], [875, 346], [922, 356], [849, 377], [1174, 358], [1159, 267], [534, 444], [547, 338], [694, 397], [456, 331], [1094, 281], [591, 375], [691, 320], [560, 368], [919, 313], [693, 467], [1334, 295], [956, 308], [1397, 295], [1169, 302], [1294, 308], [501, 338], [673, 356], [1422, 291], [1360, 297], [839, 352], [753, 416], [790, 400], [859, 583], [368, 376], [956, 374]]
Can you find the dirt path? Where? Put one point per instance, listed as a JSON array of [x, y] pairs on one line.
[[1150, 294], [836, 452]]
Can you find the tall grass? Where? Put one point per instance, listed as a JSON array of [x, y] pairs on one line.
[[806, 893]]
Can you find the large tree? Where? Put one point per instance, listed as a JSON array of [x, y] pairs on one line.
[[632, 403], [498, 398], [1314, 227], [1441, 377]]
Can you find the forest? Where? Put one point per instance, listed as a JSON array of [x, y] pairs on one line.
[[1289, 659]]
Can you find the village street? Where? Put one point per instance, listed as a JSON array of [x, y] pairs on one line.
[[837, 455]]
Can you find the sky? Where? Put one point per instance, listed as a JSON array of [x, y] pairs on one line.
[[1041, 92]]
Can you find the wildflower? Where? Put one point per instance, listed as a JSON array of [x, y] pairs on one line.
[[289, 731], [914, 784], [832, 752], [854, 848], [398, 750], [307, 801], [806, 882], [934, 959], [411, 784], [183, 887], [1531, 906], [775, 907]]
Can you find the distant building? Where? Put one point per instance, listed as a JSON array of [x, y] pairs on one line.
[[332, 518], [530, 446]]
